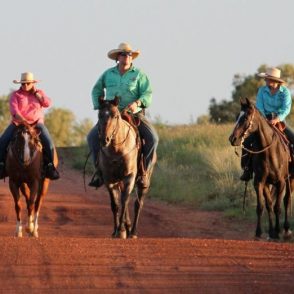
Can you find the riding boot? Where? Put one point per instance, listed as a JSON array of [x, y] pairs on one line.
[[247, 175], [97, 179], [2, 170], [51, 172]]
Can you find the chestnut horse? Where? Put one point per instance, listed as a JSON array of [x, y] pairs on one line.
[[24, 167], [118, 161], [270, 159]]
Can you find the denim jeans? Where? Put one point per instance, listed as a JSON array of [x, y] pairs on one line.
[[44, 137], [147, 133]]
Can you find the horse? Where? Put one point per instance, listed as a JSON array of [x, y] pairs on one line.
[[270, 160], [24, 167], [119, 159]]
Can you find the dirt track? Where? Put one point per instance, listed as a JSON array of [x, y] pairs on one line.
[[179, 250]]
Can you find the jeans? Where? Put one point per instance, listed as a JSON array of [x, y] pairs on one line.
[[147, 133], [45, 138]]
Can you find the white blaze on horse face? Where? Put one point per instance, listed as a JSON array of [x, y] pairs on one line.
[[26, 149]]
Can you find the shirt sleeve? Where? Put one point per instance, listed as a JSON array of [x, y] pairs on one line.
[[286, 105], [98, 91], [46, 101], [260, 102], [145, 91], [13, 105]]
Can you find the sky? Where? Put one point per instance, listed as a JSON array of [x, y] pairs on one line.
[[190, 49]]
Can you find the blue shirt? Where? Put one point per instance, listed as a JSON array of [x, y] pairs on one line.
[[278, 103], [129, 87]]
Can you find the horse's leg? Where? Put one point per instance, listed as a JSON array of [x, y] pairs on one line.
[[41, 193], [16, 196], [259, 207], [287, 203], [277, 208], [114, 202], [269, 195], [138, 205], [125, 198]]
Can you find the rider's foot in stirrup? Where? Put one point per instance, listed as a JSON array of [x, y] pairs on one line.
[[96, 180], [246, 176], [2, 170], [51, 172]]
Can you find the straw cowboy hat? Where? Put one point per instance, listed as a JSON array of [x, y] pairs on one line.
[[123, 47], [26, 77], [272, 73]]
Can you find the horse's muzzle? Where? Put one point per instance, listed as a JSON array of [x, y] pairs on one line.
[[234, 140]]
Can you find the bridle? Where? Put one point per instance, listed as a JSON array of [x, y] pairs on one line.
[[245, 135]]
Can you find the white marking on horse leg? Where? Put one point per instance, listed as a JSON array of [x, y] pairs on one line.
[[31, 224], [26, 154], [35, 233], [18, 232]]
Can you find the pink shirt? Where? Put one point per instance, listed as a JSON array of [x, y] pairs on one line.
[[28, 105]]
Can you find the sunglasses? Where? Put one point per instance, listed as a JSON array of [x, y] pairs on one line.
[[125, 54], [26, 83]]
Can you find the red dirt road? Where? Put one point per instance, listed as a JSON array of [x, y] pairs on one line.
[[178, 251]]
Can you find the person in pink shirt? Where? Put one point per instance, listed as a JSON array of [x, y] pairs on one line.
[[26, 106]]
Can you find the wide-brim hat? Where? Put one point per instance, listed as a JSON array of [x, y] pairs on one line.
[[272, 73], [122, 47], [26, 77]]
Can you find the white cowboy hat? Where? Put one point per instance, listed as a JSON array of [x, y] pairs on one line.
[[26, 77], [272, 73], [122, 47]]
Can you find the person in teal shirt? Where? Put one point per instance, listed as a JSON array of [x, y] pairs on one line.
[[274, 102], [133, 87]]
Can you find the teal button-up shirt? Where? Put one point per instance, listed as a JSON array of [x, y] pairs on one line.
[[279, 103], [129, 87]]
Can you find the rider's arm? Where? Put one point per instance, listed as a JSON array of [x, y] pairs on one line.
[[97, 92], [145, 91]]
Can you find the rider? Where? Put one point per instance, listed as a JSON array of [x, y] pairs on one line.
[[26, 106], [274, 102], [133, 88]]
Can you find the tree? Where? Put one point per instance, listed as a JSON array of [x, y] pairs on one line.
[[247, 86], [4, 112]]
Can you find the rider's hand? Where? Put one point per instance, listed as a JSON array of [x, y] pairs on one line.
[[19, 119], [274, 121], [133, 106]]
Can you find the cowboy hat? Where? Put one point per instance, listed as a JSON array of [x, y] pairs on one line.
[[26, 77], [272, 73], [122, 47]]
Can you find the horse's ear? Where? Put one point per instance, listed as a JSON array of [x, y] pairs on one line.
[[115, 101]]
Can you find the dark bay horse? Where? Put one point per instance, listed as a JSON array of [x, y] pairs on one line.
[[24, 167], [118, 161], [270, 158]]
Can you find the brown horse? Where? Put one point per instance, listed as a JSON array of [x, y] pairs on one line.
[[270, 159], [118, 160], [24, 167]]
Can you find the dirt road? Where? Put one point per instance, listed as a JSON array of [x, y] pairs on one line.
[[178, 251]]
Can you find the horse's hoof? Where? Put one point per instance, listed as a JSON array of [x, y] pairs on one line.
[[35, 234], [133, 236], [287, 235], [123, 234], [18, 234]]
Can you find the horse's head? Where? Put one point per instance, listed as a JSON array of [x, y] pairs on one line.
[[109, 116], [24, 143], [245, 122]]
